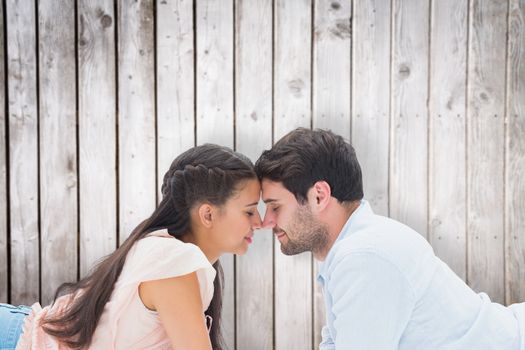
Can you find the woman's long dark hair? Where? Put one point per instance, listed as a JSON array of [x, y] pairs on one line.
[[207, 173]]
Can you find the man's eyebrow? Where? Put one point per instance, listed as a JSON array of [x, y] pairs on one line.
[[269, 200]]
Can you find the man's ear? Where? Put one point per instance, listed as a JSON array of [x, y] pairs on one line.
[[319, 196], [205, 214]]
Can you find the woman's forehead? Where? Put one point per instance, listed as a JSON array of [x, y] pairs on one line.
[[248, 192]]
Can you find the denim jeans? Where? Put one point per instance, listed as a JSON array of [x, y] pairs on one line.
[[11, 322]]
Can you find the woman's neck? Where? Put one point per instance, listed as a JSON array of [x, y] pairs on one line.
[[211, 254]]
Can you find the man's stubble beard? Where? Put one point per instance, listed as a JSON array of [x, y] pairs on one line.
[[308, 233]]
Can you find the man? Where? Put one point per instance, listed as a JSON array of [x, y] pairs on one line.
[[383, 286]]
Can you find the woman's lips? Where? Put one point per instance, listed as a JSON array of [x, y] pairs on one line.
[[249, 238]]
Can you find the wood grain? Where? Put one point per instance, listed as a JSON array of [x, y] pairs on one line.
[[515, 165], [23, 151], [136, 114], [447, 143], [409, 126], [175, 82], [253, 133], [58, 152], [485, 147], [371, 98], [97, 134]]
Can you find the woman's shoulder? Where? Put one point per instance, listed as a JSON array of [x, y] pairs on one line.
[[159, 244], [160, 255]]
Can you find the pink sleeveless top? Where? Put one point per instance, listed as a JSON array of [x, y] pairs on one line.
[[126, 323]]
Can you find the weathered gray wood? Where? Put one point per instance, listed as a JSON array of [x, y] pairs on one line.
[[447, 172], [175, 94], [474, 155], [331, 66], [215, 72], [485, 147], [408, 171], [4, 292], [292, 90], [136, 101], [96, 131], [371, 98], [214, 36], [331, 97], [515, 166], [253, 130], [58, 158], [292, 65], [23, 151]]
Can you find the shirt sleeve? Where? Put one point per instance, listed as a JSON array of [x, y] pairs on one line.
[[372, 302], [158, 258]]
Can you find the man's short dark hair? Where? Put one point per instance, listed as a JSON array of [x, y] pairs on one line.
[[304, 156]]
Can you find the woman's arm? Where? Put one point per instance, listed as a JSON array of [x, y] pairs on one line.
[[178, 302]]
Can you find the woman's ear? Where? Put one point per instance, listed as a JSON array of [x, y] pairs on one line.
[[205, 213], [319, 196]]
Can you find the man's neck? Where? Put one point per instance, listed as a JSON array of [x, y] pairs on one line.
[[335, 221]]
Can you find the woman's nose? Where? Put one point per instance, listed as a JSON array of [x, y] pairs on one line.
[[257, 222]]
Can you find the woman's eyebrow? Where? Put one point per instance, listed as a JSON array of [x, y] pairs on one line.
[[252, 204]]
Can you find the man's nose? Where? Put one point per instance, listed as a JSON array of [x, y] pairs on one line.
[[269, 221]]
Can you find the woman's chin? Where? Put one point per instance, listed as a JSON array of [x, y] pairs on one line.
[[241, 250]]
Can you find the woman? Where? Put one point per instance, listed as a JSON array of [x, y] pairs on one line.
[[161, 288]]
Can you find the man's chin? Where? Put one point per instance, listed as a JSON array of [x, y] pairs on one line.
[[286, 252], [286, 249]]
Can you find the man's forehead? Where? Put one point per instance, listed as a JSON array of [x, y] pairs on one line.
[[270, 185], [273, 191]]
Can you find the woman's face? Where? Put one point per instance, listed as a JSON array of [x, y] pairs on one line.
[[237, 219]]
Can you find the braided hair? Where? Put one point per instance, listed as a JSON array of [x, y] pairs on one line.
[[207, 173]]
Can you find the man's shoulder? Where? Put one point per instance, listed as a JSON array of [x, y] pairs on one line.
[[385, 239], [379, 232]]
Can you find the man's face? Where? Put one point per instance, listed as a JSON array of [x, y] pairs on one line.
[[293, 224]]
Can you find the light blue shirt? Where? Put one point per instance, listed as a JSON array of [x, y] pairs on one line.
[[385, 289]]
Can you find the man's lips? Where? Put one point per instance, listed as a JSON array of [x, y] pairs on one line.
[[279, 233]]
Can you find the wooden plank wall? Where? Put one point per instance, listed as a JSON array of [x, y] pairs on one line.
[[98, 97], [254, 287], [97, 137]]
